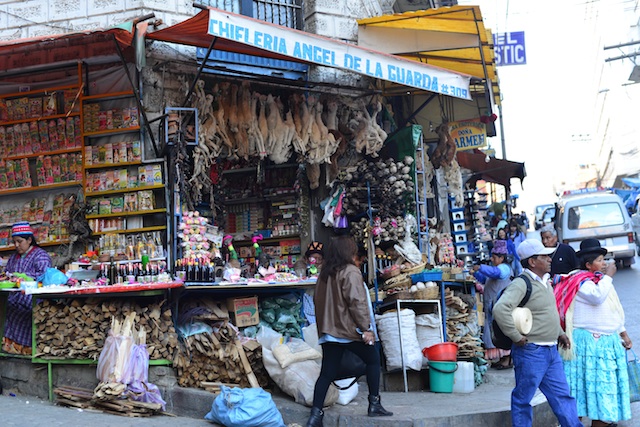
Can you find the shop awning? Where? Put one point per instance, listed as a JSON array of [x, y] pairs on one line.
[[241, 34], [52, 49], [495, 170], [453, 38]]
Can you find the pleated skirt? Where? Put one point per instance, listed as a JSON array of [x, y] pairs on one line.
[[598, 377]]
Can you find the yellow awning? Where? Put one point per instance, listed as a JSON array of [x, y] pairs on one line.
[[453, 38]]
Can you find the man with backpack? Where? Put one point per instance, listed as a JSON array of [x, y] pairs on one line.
[[535, 356]]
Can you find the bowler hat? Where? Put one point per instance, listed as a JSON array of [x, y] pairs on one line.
[[590, 246]]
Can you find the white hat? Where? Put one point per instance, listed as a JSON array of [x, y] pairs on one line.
[[523, 319], [531, 247]]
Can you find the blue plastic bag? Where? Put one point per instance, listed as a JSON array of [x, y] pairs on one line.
[[244, 407], [53, 276]]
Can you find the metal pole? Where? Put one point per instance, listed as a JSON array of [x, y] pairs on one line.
[[502, 141]]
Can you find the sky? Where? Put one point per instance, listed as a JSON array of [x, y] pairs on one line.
[[548, 104]]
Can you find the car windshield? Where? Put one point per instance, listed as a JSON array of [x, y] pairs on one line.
[[595, 215], [541, 208], [549, 213]]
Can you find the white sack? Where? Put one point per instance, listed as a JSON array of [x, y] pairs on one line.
[[390, 336], [428, 328]]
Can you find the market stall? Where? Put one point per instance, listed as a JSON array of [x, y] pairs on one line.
[[207, 243]]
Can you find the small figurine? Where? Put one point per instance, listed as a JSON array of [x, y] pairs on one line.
[[313, 268]]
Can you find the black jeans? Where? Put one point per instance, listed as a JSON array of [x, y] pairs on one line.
[[331, 356]]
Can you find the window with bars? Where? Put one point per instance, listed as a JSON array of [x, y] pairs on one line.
[[287, 13]]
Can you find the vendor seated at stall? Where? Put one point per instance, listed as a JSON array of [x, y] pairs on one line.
[[33, 261], [311, 263]]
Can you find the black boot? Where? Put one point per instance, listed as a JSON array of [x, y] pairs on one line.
[[376, 409], [315, 419]]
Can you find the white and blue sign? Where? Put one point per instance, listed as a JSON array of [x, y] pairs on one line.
[[327, 52], [510, 48]]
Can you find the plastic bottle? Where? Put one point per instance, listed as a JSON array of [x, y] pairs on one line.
[[144, 258]]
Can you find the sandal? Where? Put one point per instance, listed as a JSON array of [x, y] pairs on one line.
[[500, 367], [504, 363]]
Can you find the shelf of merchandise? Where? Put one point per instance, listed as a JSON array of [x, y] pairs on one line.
[[40, 187], [108, 132], [266, 198], [132, 230], [123, 190], [60, 112], [38, 119], [43, 244], [118, 214], [94, 138], [48, 90], [112, 165], [45, 153]]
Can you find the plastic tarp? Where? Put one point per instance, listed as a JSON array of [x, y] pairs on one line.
[[632, 182], [51, 49], [402, 143]]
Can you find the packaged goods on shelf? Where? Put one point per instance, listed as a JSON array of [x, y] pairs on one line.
[[70, 101], [146, 200], [104, 207], [117, 204], [130, 202]]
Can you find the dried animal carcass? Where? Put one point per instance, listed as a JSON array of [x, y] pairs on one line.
[[244, 120], [453, 178], [236, 126], [279, 136], [369, 135], [446, 149]]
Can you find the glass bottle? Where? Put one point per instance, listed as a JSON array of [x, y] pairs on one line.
[[150, 246], [130, 253], [140, 247], [144, 258]]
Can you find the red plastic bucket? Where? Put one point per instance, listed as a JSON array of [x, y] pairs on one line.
[[443, 352]]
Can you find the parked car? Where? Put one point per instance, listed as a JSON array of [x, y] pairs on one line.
[[601, 215], [537, 213], [548, 215]]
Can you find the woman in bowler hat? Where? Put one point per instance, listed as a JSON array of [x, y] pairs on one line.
[[593, 318]]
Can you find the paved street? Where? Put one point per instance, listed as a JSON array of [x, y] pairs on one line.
[[33, 412]]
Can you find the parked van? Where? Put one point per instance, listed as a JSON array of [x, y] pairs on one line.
[[537, 215], [601, 215]]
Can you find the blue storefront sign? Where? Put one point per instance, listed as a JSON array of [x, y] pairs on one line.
[[510, 48]]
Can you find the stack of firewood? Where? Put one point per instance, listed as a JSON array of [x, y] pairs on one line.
[[77, 329], [462, 324], [208, 359], [85, 399]]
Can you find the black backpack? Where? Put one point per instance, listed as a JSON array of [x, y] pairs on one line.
[[499, 339]]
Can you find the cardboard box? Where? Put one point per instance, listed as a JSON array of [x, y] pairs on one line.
[[243, 311]]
